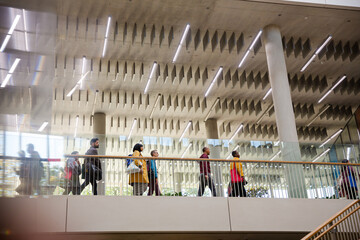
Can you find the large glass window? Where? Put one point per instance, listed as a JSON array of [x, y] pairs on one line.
[[39, 141], [12, 144], [56, 146]]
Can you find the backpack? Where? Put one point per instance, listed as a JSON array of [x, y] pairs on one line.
[[129, 160]]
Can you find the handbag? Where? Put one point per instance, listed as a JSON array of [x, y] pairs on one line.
[[132, 168]]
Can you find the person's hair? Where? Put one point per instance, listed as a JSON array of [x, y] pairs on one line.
[[204, 149], [345, 161], [153, 152], [234, 153], [30, 145], [93, 140], [74, 152], [137, 147]]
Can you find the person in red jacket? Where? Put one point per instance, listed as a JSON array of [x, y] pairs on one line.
[[205, 178]]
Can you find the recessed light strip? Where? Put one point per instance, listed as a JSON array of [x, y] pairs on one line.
[[25, 31], [187, 28], [334, 135], [322, 154], [11, 30], [106, 36], [183, 134], [132, 128], [332, 88], [187, 149], [318, 115], [267, 94], [214, 81], [155, 104], [77, 84], [151, 75], [277, 154], [250, 48], [43, 126], [11, 71], [211, 109], [236, 132], [318, 50]]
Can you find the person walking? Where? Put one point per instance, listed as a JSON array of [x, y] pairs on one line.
[[72, 173], [36, 169], [238, 182], [205, 178], [152, 174], [139, 181], [92, 167]]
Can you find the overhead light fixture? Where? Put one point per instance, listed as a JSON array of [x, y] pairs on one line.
[[76, 125], [250, 48], [83, 70], [150, 76], [267, 94], [322, 154], [187, 28], [11, 71], [132, 128], [211, 109], [236, 132], [264, 113], [43, 126], [334, 135], [214, 81], [187, 149], [276, 143], [332, 88], [318, 50], [11, 30], [25, 31], [183, 134], [230, 154], [106, 35], [277, 154], [156, 102], [318, 115], [348, 152], [77, 84]]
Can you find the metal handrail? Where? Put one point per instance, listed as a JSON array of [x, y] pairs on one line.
[[330, 220]]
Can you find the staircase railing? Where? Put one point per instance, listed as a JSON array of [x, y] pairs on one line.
[[343, 225]]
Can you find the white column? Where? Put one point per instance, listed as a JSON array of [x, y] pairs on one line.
[[285, 118], [99, 131], [212, 133]]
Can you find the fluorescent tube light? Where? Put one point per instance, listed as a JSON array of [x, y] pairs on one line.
[[106, 35], [277, 154], [318, 50], [43, 126], [187, 28], [250, 48], [183, 134], [77, 84], [211, 109], [76, 125], [156, 102], [236, 132], [187, 149], [13, 25], [332, 88], [214, 81], [13, 67], [322, 154], [6, 80], [5, 42], [132, 128], [267, 94], [334, 135], [151, 75]]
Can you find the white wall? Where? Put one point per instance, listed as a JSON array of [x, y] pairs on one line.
[[164, 214]]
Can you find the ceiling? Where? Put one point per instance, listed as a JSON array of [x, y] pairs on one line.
[[61, 33]]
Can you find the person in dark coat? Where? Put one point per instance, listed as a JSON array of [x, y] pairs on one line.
[[348, 185], [92, 166]]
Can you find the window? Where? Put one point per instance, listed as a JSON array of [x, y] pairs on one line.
[[12, 144], [166, 141]]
